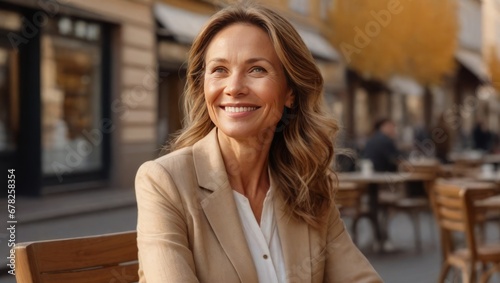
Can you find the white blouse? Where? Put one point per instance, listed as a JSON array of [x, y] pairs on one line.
[[264, 241]]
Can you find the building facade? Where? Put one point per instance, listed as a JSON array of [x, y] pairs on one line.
[[78, 85]]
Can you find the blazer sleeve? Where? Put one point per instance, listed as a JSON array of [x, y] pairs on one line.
[[162, 236], [344, 262]]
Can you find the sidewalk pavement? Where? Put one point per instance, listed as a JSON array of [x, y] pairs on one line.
[[30, 209]]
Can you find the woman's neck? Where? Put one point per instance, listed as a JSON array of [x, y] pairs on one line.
[[246, 164]]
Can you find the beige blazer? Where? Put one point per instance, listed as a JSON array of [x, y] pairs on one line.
[[189, 229]]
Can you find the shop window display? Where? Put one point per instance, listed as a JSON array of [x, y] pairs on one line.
[[71, 95]]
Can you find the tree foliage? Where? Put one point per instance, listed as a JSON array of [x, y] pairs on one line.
[[382, 38], [494, 68]]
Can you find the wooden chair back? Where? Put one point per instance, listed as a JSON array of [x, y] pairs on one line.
[[451, 210], [453, 206], [104, 258]]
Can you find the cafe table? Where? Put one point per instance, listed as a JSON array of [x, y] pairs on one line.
[[491, 203], [373, 181], [492, 158], [492, 178]]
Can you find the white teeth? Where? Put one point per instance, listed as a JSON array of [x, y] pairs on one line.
[[239, 109]]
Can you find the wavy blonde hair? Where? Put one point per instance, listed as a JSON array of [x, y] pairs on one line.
[[302, 147]]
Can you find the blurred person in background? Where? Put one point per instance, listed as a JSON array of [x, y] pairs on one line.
[[247, 193], [442, 139], [381, 147]]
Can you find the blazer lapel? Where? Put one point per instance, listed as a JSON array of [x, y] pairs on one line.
[[220, 208], [294, 237]]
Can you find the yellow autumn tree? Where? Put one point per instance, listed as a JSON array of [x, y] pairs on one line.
[[382, 38], [494, 67]]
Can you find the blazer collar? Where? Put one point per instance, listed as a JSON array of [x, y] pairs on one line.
[[222, 214], [220, 208], [208, 163]]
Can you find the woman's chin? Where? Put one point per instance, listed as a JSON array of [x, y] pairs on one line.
[[248, 133]]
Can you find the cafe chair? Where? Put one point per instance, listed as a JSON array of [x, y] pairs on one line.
[[415, 205], [453, 206], [103, 258], [348, 199]]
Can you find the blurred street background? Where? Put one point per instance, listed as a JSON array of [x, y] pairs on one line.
[[89, 90]]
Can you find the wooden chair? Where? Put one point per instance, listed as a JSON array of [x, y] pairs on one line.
[[413, 206], [349, 201], [453, 206], [104, 258]]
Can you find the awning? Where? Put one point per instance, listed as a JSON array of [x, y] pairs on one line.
[[318, 45], [405, 85], [184, 25], [473, 61]]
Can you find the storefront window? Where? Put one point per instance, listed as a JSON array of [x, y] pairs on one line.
[[169, 113], [9, 95], [9, 82], [71, 97]]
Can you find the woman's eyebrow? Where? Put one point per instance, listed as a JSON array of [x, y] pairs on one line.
[[217, 60], [257, 59], [248, 61]]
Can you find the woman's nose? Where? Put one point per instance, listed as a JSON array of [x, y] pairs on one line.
[[236, 85]]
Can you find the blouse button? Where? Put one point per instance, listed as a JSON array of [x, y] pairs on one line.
[[265, 256]]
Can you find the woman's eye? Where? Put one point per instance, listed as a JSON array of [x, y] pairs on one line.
[[218, 70], [258, 70]]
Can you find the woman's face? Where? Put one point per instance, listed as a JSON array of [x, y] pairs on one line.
[[245, 85]]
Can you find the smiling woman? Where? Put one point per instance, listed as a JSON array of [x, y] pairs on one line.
[[246, 193]]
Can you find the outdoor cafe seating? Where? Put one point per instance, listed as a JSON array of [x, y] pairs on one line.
[[382, 201]]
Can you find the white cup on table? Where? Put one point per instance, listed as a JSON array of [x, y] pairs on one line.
[[366, 166], [487, 170]]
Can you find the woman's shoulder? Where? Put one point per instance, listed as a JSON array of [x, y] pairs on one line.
[[180, 155], [172, 175], [174, 162]]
